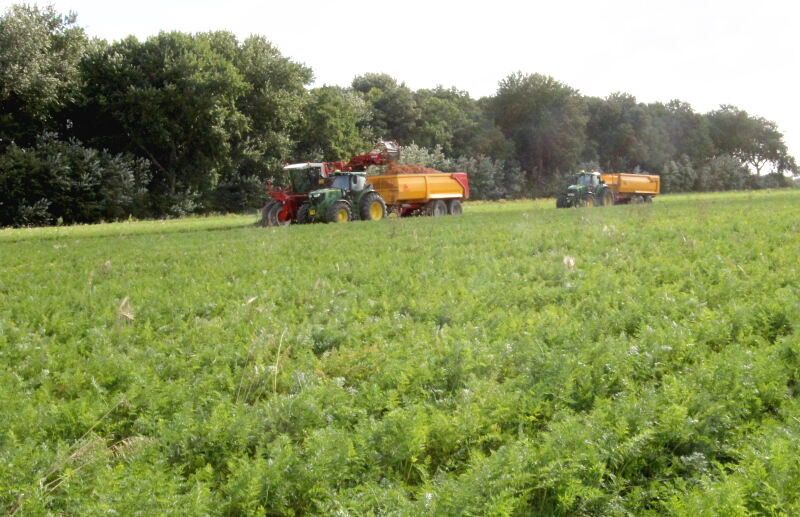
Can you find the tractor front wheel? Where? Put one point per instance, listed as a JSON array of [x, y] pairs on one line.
[[373, 207], [302, 213], [339, 212]]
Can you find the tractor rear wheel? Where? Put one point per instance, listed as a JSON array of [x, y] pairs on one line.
[[339, 212], [608, 198], [454, 207], [302, 213], [435, 208], [265, 214], [373, 207]]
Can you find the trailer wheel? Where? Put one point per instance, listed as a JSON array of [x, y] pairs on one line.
[[454, 207], [339, 212], [277, 217], [302, 213], [435, 208], [373, 208], [608, 198], [648, 199], [264, 221]]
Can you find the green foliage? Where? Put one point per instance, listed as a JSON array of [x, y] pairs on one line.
[[58, 181], [412, 366], [332, 123], [40, 51], [546, 121]]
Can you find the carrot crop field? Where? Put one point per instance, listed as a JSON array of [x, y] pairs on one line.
[[516, 360]]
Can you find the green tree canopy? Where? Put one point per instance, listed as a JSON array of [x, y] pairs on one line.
[[546, 121], [39, 75], [755, 141]]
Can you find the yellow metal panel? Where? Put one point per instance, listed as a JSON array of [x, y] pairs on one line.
[[416, 188], [625, 183]]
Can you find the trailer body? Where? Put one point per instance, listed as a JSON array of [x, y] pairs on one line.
[[626, 186]]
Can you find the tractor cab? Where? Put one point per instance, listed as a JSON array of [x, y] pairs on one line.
[[305, 177], [590, 180], [349, 181]]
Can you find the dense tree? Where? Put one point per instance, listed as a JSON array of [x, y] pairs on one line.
[[449, 118], [754, 141], [39, 55], [394, 111], [67, 182], [331, 125], [617, 129], [545, 119]]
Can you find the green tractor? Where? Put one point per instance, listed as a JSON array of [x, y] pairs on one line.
[[589, 189], [349, 197]]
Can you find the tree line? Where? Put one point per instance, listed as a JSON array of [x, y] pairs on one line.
[[181, 123]]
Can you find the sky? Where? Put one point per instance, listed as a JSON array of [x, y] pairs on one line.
[[703, 52]]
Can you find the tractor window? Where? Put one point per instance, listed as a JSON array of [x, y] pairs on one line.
[[584, 180], [359, 182], [304, 180], [342, 182]]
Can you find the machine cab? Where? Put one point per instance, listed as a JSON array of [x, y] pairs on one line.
[[354, 182], [591, 180]]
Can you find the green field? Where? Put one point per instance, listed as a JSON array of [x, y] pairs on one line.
[[517, 360]]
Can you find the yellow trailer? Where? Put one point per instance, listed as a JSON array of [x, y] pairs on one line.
[[628, 187], [432, 194]]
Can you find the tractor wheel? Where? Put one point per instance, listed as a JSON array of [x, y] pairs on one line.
[[588, 201], [608, 198], [454, 207], [265, 214], [561, 202], [435, 208], [339, 212], [373, 207], [276, 215], [302, 214]]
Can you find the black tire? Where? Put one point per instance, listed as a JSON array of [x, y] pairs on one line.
[[339, 212], [302, 213], [561, 202], [265, 214], [648, 199], [373, 207], [588, 201], [435, 208], [608, 198], [454, 207], [274, 215]]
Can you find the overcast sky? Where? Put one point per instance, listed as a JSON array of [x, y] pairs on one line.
[[704, 52]]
